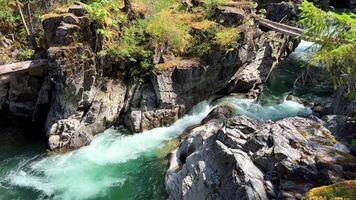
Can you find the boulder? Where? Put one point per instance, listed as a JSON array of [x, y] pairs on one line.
[[241, 158]]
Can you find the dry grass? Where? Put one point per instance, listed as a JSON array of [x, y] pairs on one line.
[[202, 25]]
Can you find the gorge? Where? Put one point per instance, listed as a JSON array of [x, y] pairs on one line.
[[234, 123]]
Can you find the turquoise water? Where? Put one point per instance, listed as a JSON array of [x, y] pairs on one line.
[[117, 166]]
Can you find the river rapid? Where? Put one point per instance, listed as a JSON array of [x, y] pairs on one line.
[[121, 166]]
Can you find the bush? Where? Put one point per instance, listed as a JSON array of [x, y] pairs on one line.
[[227, 37], [211, 5], [7, 17], [166, 28], [202, 42], [25, 54]]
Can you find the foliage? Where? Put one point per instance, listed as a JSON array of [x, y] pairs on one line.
[[166, 28], [25, 54], [160, 23], [132, 48], [7, 16], [262, 12], [97, 10], [202, 42], [227, 37], [108, 15], [335, 35], [211, 5]]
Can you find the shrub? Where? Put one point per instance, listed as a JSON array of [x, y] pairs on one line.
[[7, 16], [166, 28], [25, 54], [202, 42], [227, 37], [211, 5]]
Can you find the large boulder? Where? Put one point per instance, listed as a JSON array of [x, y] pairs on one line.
[[242, 158]]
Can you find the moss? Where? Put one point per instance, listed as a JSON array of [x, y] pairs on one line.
[[329, 137], [341, 190], [165, 27], [8, 17]]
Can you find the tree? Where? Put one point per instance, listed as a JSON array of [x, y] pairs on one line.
[[29, 30], [335, 36]]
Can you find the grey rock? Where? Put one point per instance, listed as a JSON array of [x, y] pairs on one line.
[[241, 158], [256, 72]]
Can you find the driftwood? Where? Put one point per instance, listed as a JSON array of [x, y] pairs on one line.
[[22, 66]]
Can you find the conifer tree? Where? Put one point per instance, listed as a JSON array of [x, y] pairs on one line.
[[335, 36]]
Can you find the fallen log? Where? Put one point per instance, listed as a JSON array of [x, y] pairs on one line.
[[22, 66], [282, 28]]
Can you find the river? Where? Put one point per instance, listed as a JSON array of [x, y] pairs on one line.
[[121, 166]]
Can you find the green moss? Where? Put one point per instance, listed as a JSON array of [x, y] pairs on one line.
[[341, 190], [329, 137], [211, 5]]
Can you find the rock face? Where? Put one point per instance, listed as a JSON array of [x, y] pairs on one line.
[[275, 47], [84, 101], [25, 95], [87, 93], [240, 158]]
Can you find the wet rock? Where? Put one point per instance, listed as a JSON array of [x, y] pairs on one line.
[[242, 158]]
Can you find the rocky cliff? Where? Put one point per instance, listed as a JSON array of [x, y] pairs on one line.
[[87, 93]]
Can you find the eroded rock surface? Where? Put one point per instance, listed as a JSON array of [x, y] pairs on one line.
[[84, 101], [240, 158]]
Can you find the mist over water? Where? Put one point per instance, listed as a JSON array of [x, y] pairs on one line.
[[117, 166]]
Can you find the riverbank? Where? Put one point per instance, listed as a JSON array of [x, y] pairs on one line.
[[113, 165]]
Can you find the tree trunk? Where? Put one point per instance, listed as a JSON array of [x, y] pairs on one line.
[[32, 36], [22, 17]]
